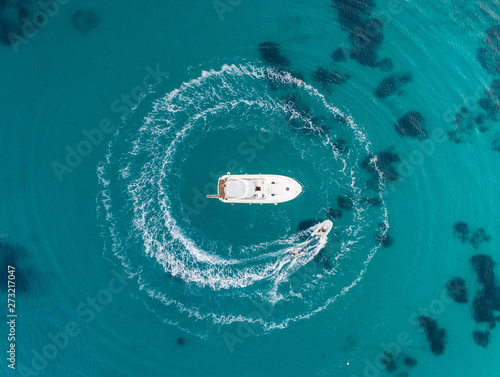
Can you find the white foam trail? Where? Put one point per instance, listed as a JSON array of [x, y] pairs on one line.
[[172, 120]]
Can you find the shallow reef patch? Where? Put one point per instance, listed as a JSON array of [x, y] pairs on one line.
[[487, 299], [352, 12], [270, 52], [436, 336], [489, 54], [181, 341], [383, 162], [371, 201], [323, 259], [17, 22], [411, 124], [495, 144], [326, 78], [457, 290], [301, 118], [410, 361], [481, 338], [345, 202], [341, 145], [382, 236], [85, 20], [478, 237], [389, 362], [385, 65], [392, 84], [386, 87], [339, 55], [484, 267], [366, 40], [333, 213], [461, 231]]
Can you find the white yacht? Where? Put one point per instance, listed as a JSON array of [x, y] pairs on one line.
[[256, 188]]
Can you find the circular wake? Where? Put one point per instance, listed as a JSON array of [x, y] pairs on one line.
[[200, 264]]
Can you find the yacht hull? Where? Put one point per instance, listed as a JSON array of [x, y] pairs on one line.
[[257, 189]]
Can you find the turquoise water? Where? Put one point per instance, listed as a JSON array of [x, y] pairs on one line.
[[117, 122]]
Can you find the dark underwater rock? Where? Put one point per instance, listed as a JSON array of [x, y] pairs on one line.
[[325, 77], [386, 87], [366, 39], [411, 124], [385, 65], [341, 145], [483, 265], [482, 338], [300, 117], [13, 18], [478, 237], [487, 299], [410, 362], [349, 343], [483, 307], [345, 202], [457, 290], [461, 231], [294, 102], [392, 84], [406, 77], [6, 28], [333, 213], [323, 259], [493, 37], [496, 300], [435, 335], [389, 361], [339, 55], [467, 124], [383, 238], [352, 12], [489, 54], [382, 162], [270, 53], [489, 59], [495, 144], [365, 34], [372, 202], [490, 101], [85, 20]]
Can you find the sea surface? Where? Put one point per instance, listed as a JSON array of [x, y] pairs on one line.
[[116, 120]]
